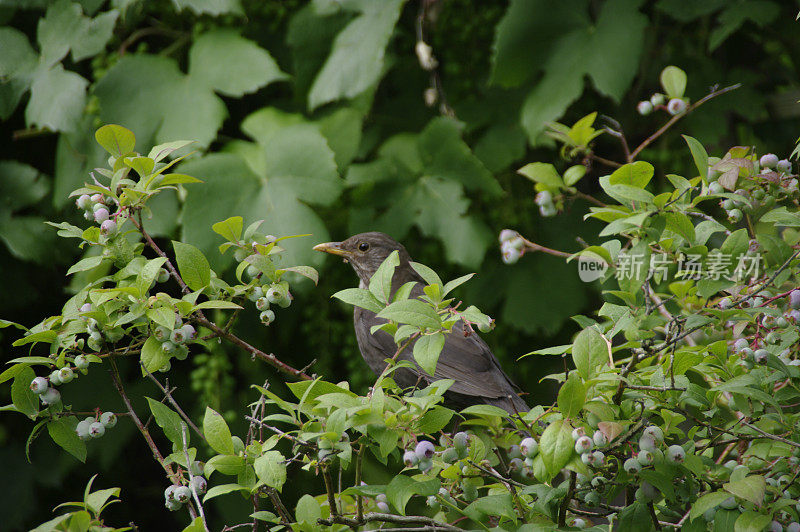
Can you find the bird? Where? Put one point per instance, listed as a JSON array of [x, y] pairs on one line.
[[465, 357]]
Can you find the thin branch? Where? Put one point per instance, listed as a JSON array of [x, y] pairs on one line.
[[389, 518], [199, 504], [562, 511], [168, 394], [663, 129]]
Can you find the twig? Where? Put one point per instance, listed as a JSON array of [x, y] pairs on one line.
[[562, 511], [771, 436], [329, 489], [652, 509], [677, 117], [533, 246], [168, 394], [389, 518], [184, 439]]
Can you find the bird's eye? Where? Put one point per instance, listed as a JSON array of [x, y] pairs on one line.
[[363, 246]]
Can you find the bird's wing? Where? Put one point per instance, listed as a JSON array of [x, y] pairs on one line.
[[465, 359]]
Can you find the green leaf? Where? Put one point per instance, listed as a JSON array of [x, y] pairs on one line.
[[195, 526], [301, 389], [153, 358], [223, 489], [491, 505], [751, 521], [673, 79], [401, 488], [380, 284], [58, 98], [750, 488], [706, 502], [589, 351], [308, 510], [21, 186], [356, 61], [699, 156], [306, 271], [682, 225], [230, 229], [543, 173], [427, 349], [427, 273], [230, 64], [217, 433], [636, 174], [96, 500], [148, 274], [46, 336], [25, 401], [192, 265], [359, 297], [271, 469], [177, 179], [89, 263], [412, 312], [571, 396], [434, 420], [63, 433], [216, 303], [169, 421], [556, 446], [455, 283], [116, 140]]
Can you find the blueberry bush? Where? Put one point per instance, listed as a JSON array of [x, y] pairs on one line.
[[646, 262]]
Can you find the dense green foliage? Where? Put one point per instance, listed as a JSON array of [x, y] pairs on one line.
[[315, 118]]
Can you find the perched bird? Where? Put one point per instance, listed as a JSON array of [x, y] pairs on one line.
[[465, 358]]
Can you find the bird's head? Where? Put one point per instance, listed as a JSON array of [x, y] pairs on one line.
[[366, 252]]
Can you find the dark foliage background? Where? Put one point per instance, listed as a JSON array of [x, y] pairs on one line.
[[504, 68]]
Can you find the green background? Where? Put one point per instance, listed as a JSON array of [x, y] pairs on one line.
[[311, 116]]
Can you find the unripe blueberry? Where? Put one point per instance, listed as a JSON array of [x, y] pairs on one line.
[[768, 160], [161, 333], [177, 336], [461, 440], [577, 433], [182, 494], [199, 484], [507, 234], [450, 455], [425, 465], [528, 447], [516, 464], [82, 429], [196, 468], [101, 214], [163, 276], [189, 332], [433, 503], [515, 451], [794, 526], [645, 457], [657, 99], [772, 337], [588, 459], [181, 352], [599, 458], [775, 526], [168, 347], [108, 227], [644, 108], [55, 378], [97, 198], [740, 344], [747, 353], [729, 503], [267, 317], [169, 493], [784, 166], [584, 444], [761, 356], [275, 293], [511, 255], [383, 507], [758, 194], [108, 419], [715, 188], [647, 443], [545, 197], [725, 303], [39, 385], [96, 429], [579, 522], [735, 215], [83, 201], [781, 322], [66, 374], [794, 298], [548, 211], [410, 458], [86, 307], [654, 432], [728, 204], [599, 482], [592, 498], [262, 303], [632, 466], [599, 438], [424, 449], [485, 328], [676, 454], [88, 215], [172, 505], [96, 336], [676, 106]]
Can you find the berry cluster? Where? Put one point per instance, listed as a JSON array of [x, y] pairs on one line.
[[770, 180], [45, 387], [512, 246], [173, 341], [455, 453], [96, 207], [176, 495], [265, 295], [544, 200], [674, 106], [92, 427]]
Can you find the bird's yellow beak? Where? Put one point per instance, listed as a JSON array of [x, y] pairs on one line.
[[334, 248]]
